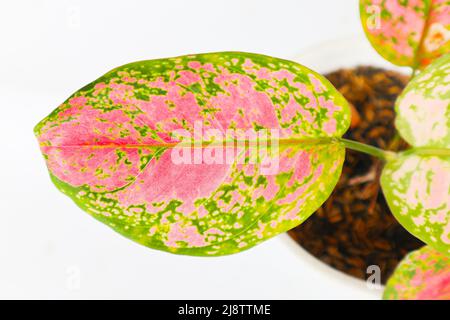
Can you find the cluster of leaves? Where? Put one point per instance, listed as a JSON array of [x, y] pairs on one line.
[[109, 146], [417, 183]]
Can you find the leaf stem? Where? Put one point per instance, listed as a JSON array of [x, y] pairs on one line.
[[427, 151], [413, 74], [365, 148]]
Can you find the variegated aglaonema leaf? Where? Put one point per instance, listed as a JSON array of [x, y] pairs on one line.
[[422, 275], [417, 183], [154, 149], [407, 33]]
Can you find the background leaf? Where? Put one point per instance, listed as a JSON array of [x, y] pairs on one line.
[[422, 275], [407, 33], [417, 183], [109, 148]]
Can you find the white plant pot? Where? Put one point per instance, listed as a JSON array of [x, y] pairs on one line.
[[341, 53]]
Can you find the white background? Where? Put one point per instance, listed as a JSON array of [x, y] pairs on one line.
[[51, 249]]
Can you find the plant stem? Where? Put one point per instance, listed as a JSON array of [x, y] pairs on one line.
[[413, 74], [426, 151], [365, 148]]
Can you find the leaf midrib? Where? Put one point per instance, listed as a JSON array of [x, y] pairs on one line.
[[418, 51], [200, 144]]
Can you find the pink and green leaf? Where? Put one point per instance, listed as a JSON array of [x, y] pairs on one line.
[[407, 33], [417, 189], [110, 145], [417, 183], [423, 108], [422, 275]]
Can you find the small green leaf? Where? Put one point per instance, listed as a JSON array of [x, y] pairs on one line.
[[407, 33], [417, 183], [422, 275], [111, 148]]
